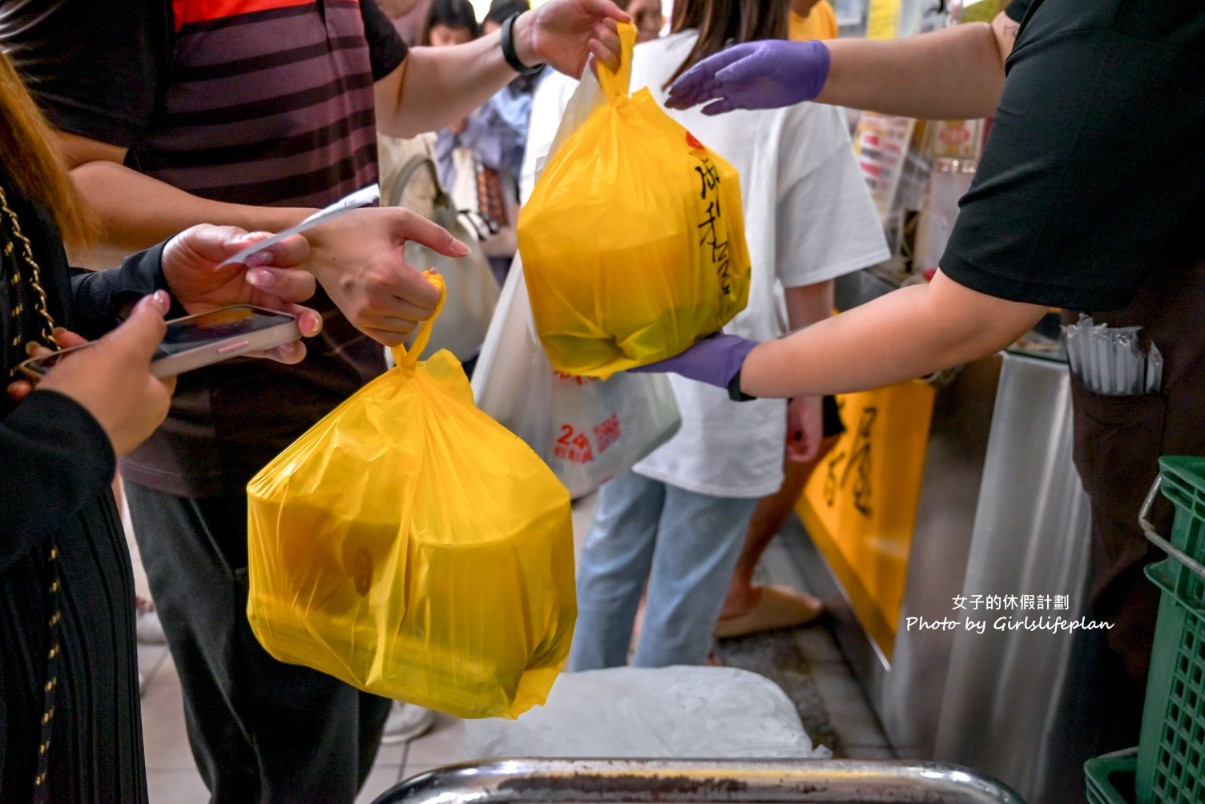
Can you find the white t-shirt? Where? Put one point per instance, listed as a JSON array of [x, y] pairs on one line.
[[808, 218]]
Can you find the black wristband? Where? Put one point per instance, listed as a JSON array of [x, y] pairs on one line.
[[734, 389], [508, 48]]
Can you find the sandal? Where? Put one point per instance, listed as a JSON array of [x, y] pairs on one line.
[[777, 607]]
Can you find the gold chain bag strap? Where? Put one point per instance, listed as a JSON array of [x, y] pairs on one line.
[[30, 312]]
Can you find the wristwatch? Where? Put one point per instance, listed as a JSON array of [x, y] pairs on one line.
[[508, 48], [734, 389]]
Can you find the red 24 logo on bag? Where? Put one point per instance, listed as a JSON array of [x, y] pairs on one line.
[[575, 446]]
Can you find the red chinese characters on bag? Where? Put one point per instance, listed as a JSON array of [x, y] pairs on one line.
[[575, 446]]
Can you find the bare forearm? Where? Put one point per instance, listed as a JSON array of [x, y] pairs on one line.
[[440, 86], [808, 304], [954, 73], [434, 87], [906, 334], [137, 211]]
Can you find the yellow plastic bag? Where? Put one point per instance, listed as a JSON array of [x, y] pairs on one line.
[[413, 547], [633, 241]]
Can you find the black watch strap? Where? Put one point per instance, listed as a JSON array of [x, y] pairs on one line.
[[508, 48], [734, 389]]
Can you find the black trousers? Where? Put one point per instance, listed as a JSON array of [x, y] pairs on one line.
[[260, 730]]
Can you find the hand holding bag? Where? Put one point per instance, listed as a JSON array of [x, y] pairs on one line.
[[633, 238], [412, 547], [472, 289]]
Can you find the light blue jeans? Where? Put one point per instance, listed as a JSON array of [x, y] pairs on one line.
[[685, 544]]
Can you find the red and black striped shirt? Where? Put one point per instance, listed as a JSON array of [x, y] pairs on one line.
[[262, 102]]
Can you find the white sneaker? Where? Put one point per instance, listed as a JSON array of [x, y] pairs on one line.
[[407, 721], [146, 623]]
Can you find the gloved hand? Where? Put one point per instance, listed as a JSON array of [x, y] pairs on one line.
[[714, 360], [756, 75]]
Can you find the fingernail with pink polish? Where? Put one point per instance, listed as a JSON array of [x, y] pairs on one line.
[[261, 278], [312, 324]]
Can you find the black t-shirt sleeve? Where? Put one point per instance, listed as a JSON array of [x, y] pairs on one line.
[[72, 53], [1093, 166], [385, 45]]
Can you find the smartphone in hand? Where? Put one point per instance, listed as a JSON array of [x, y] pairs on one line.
[[200, 340]]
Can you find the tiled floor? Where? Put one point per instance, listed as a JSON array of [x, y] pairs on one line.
[[172, 775], [857, 727]]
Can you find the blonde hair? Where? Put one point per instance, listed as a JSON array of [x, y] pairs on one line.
[[32, 162]]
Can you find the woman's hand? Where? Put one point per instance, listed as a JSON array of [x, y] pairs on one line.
[[756, 75], [112, 378], [270, 278], [565, 33], [715, 360], [805, 427]]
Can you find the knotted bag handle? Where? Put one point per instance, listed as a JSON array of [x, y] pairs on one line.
[[408, 357], [617, 83]]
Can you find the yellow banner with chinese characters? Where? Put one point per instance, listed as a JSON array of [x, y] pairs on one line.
[[859, 506]]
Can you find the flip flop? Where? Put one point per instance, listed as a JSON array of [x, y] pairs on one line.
[[776, 607]]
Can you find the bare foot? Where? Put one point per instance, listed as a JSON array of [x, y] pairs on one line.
[[773, 607]]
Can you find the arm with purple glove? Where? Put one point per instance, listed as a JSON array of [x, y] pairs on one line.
[[915, 330], [910, 76], [715, 360], [908, 333]]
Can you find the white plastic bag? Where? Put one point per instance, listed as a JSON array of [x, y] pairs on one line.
[[651, 713], [587, 430]]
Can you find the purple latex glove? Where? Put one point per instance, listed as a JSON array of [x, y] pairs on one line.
[[756, 75], [714, 360]]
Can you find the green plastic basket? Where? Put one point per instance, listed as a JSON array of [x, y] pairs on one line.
[[1171, 749], [1183, 482], [1110, 779]]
